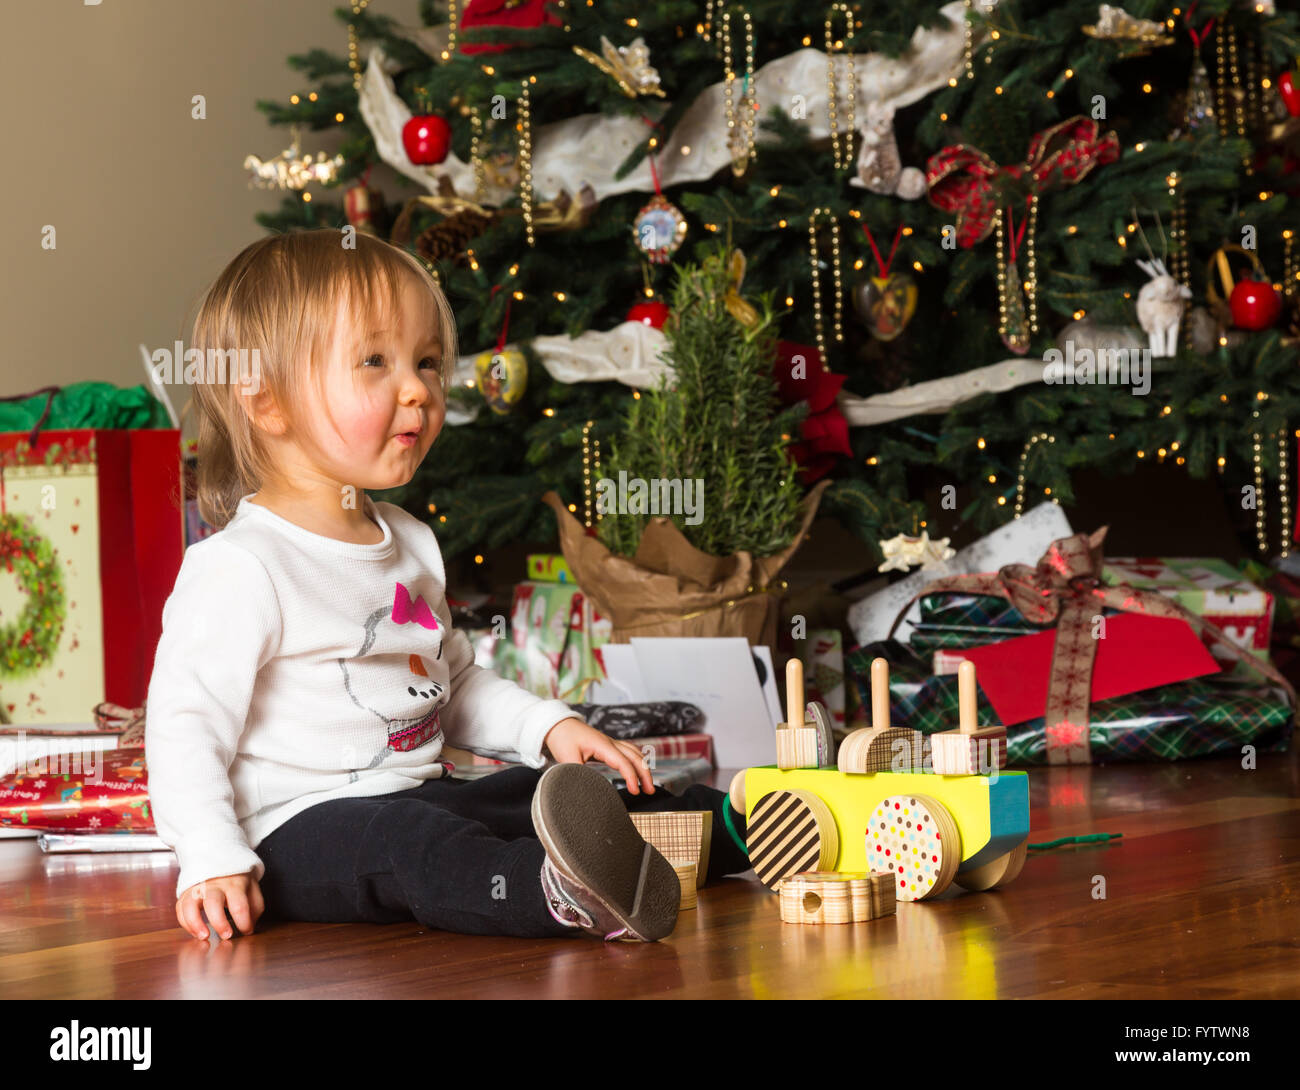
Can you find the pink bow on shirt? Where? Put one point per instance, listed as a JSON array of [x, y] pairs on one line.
[[406, 611]]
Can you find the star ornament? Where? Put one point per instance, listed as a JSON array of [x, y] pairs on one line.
[[902, 552]]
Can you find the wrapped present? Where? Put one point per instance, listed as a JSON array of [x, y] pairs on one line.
[[823, 670], [1211, 589], [1195, 718], [549, 568], [1065, 591], [673, 747], [555, 632], [79, 792], [91, 527], [630, 721]]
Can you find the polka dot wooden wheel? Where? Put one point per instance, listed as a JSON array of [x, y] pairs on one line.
[[996, 872], [789, 832], [914, 838]]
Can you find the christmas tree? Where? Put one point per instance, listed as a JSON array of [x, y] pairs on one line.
[[946, 203]]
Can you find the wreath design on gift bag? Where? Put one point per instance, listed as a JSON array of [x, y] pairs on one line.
[[28, 644]]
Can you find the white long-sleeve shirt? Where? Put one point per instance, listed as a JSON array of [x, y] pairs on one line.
[[294, 668]]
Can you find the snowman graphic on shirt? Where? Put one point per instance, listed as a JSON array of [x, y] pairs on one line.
[[392, 683]]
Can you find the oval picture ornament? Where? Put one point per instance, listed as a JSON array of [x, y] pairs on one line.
[[659, 229], [502, 378]]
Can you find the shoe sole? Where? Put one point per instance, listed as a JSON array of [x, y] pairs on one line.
[[585, 829]]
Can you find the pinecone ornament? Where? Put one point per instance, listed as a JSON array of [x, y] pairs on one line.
[[450, 239]]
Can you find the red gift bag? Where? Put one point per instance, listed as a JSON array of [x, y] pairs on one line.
[[91, 525]]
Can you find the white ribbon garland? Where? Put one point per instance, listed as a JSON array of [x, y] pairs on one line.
[[630, 353], [586, 149]]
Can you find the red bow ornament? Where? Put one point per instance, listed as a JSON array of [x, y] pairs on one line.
[[965, 181]]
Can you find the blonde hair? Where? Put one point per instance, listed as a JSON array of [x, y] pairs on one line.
[[280, 296]]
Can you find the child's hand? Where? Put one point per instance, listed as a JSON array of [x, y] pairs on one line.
[[236, 893], [571, 741]]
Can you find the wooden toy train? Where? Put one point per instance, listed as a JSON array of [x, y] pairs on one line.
[[918, 812]]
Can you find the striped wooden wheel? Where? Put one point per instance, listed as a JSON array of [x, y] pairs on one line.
[[789, 832]]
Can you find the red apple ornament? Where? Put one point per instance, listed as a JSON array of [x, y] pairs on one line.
[[1288, 86], [426, 139], [1254, 304]]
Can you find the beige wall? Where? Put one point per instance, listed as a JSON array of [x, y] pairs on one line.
[[148, 204]]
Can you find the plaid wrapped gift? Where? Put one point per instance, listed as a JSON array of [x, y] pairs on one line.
[[1195, 718], [953, 621]]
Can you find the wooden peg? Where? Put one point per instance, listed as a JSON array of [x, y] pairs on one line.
[[794, 693], [876, 748], [796, 744], [967, 710], [968, 750], [879, 694]]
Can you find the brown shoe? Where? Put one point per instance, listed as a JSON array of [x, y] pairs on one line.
[[599, 872]]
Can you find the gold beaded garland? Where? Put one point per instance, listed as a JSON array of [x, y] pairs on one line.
[[740, 129], [450, 51], [842, 146], [705, 29], [1179, 265], [590, 465], [476, 154], [967, 40], [816, 281], [1031, 265], [526, 160], [1284, 496], [1033, 441], [354, 57], [1261, 523], [1289, 272], [1238, 92]]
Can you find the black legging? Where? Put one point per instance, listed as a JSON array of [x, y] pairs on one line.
[[457, 855]]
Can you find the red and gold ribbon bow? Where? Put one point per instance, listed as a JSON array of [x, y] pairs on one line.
[[129, 722], [964, 180], [1065, 586]]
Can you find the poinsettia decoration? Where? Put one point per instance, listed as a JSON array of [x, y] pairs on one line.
[[520, 14], [824, 433]]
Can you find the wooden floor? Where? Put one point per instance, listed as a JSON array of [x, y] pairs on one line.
[[1202, 901]]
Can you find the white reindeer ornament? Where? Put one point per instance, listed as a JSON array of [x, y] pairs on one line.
[[1160, 306]]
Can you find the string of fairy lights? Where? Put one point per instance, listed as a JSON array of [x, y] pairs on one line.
[[1238, 91]]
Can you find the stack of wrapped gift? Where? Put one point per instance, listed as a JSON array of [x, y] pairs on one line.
[[553, 650], [1085, 660]]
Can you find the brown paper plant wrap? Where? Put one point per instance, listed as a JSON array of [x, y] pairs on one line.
[[1066, 587], [671, 588]]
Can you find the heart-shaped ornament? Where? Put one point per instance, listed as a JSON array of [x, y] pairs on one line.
[[886, 304]]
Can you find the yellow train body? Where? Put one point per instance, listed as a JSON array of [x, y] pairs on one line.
[[991, 812]]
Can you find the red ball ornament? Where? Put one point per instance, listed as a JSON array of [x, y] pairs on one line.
[[1254, 304], [1288, 86], [426, 139], [652, 314]]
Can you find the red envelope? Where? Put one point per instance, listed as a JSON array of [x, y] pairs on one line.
[[1138, 652]]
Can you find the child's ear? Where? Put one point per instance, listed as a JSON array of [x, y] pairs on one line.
[[262, 410]]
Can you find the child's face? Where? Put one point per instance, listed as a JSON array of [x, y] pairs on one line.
[[384, 393]]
